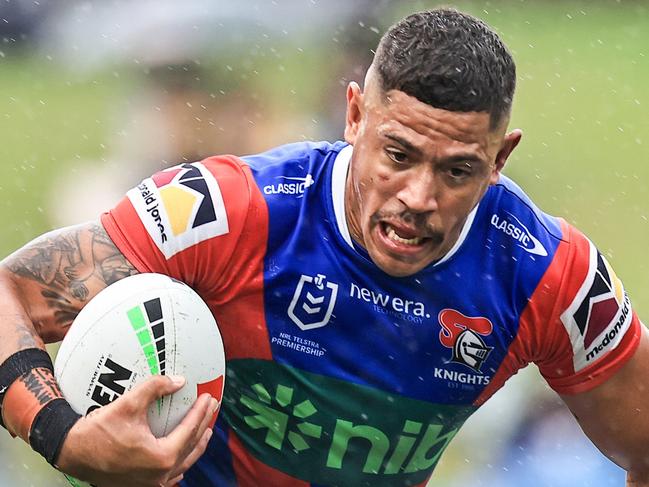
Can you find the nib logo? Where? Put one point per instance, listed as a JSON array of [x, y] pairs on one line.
[[343, 437], [280, 419]]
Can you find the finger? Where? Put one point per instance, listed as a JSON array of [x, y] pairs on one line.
[[174, 482], [200, 432], [195, 454], [198, 451], [155, 387], [192, 427]]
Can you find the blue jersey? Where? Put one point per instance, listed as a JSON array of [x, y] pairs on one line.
[[337, 373]]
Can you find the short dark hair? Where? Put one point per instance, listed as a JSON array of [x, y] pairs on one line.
[[449, 60]]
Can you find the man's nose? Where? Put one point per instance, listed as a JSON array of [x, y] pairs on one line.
[[419, 192]]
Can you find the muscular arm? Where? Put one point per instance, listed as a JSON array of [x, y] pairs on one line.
[[45, 284], [615, 415]]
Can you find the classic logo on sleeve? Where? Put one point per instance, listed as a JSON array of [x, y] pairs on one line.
[[290, 185], [514, 228], [599, 315], [180, 207]]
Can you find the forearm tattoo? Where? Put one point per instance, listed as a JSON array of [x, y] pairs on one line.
[[41, 384], [68, 267]]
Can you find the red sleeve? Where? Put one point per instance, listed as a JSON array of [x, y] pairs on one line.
[[578, 326], [187, 222], [593, 330]]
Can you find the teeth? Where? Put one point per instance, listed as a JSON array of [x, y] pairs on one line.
[[392, 235]]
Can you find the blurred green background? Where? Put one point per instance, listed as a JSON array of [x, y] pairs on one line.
[[582, 100]]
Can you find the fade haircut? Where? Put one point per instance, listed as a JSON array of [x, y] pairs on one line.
[[449, 60]]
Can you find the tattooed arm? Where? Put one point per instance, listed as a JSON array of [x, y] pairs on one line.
[[43, 286], [51, 279]]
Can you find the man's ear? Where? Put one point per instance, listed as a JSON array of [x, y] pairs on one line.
[[510, 141], [354, 112]]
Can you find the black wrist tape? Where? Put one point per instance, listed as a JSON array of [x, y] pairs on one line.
[[50, 427], [18, 365]]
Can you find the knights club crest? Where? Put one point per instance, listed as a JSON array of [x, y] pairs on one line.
[[463, 334], [313, 302]]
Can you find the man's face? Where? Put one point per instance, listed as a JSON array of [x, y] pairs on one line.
[[416, 174]]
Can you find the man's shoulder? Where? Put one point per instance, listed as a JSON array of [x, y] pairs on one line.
[[293, 173], [293, 153], [283, 170], [519, 221]]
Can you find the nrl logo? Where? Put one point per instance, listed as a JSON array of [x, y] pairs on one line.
[[313, 302]]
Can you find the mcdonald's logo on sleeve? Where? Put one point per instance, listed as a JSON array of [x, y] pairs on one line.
[[599, 315]]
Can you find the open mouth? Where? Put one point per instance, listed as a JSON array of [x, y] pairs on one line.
[[402, 236]]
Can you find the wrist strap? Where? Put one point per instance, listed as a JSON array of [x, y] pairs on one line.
[[50, 428], [32, 402], [19, 364]]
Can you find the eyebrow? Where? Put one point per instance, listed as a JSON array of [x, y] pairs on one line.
[[409, 146], [464, 158]]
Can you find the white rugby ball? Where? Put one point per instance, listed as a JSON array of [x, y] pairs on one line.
[[142, 325]]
